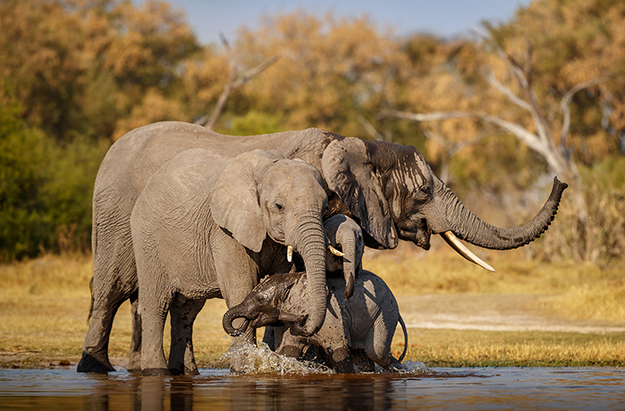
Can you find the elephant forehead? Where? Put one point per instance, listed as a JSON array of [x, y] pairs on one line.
[[292, 171], [410, 172]]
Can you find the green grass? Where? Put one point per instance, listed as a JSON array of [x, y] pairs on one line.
[[44, 305]]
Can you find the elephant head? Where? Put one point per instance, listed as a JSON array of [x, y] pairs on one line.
[[345, 236], [392, 192], [261, 194], [263, 306]]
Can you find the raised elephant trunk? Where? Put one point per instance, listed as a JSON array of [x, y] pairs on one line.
[[467, 226], [310, 244]]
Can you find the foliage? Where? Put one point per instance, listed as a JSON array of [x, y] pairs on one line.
[[81, 66], [24, 227], [45, 188], [77, 74], [602, 235]]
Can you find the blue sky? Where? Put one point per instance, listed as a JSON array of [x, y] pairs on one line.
[[442, 17]]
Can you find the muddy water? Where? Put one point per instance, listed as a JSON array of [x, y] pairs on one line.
[[471, 389]]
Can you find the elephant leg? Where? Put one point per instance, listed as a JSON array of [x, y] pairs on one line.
[[134, 356], [237, 275], [95, 357], [341, 360], [269, 337], [273, 336], [154, 302], [114, 281], [290, 345], [362, 360], [378, 342], [183, 313]]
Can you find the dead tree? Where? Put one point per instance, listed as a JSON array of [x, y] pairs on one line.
[[543, 141], [235, 80]]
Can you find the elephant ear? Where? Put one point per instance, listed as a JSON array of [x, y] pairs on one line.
[[234, 200], [350, 172]]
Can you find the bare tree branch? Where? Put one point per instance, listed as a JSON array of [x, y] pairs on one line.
[[565, 104], [370, 129], [234, 81], [245, 77], [508, 93], [533, 141]]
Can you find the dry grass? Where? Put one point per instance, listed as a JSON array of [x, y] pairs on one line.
[[471, 348], [44, 305], [573, 290]]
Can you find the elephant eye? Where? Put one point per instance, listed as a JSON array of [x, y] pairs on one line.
[[279, 206], [422, 194], [261, 298]]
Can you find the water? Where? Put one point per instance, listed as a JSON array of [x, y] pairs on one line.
[[449, 388]]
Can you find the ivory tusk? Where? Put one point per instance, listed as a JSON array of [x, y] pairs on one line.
[[460, 248], [289, 253], [335, 251]]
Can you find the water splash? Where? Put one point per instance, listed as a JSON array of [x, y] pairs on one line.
[[251, 359], [414, 367]]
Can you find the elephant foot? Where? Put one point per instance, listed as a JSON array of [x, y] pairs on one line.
[[191, 371], [184, 371], [394, 366], [88, 363], [341, 361], [148, 372]]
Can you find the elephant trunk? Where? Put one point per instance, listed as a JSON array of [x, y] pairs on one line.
[[231, 315], [311, 245], [467, 226], [351, 262]]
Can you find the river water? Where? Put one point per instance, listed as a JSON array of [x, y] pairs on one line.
[[419, 388]]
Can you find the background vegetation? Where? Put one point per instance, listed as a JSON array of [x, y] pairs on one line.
[[75, 75]]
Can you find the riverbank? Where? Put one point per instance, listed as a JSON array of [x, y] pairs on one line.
[[514, 317]]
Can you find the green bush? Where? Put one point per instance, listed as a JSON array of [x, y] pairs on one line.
[[45, 188]]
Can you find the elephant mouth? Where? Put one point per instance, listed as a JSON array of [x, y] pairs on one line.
[[419, 237]]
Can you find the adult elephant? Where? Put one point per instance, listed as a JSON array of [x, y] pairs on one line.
[[388, 188], [208, 226]]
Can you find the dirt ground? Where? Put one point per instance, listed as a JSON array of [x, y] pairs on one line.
[[496, 312]]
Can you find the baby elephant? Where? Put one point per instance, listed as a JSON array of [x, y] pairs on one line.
[[365, 322]]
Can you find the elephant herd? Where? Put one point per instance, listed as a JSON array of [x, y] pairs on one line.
[[182, 214]]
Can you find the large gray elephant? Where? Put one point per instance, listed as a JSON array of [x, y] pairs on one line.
[[366, 322], [387, 188], [207, 226]]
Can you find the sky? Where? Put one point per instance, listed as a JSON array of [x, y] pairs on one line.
[[446, 18]]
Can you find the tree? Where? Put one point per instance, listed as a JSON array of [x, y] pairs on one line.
[[331, 71], [531, 98], [82, 66]]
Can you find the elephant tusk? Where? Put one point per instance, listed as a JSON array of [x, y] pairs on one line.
[[335, 251], [289, 253], [460, 248]]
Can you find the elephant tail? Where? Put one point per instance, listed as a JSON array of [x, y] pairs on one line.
[[403, 327], [91, 302]]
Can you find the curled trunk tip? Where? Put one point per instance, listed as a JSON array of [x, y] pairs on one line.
[[467, 226]]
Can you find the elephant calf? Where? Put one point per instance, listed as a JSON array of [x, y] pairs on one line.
[[365, 322]]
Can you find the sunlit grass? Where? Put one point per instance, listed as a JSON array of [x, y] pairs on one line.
[[472, 348], [44, 305], [572, 290]]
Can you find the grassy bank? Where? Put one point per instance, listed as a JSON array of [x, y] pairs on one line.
[[44, 305]]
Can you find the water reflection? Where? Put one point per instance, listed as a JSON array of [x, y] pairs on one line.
[[495, 388]]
